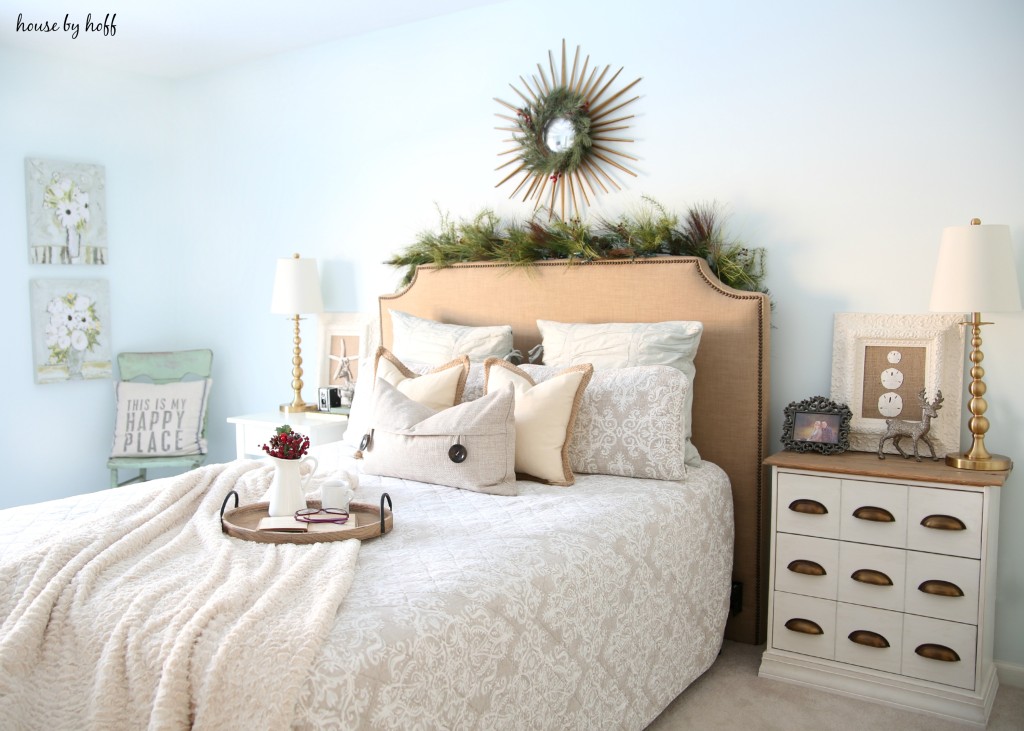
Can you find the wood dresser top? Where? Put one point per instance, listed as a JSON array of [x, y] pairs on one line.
[[892, 467]]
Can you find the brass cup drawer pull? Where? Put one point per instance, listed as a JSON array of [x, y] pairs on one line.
[[874, 514], [807, 506], [808, 568], [943, 522], [870, 576], [938, 587], [937, 652], [804, 626], [868, 638]]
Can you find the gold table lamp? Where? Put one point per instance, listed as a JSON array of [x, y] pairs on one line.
[[296, 292], [976, 272]]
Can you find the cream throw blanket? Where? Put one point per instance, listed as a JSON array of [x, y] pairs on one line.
[[152, 618]]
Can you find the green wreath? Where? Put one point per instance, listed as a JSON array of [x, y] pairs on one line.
[[533, 122]]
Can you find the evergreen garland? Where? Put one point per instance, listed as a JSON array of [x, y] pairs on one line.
[[649, 231], [532, 122]]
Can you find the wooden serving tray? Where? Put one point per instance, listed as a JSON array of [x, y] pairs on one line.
[[363, 523]]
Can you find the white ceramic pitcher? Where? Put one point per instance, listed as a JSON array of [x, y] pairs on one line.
[[287, 491]]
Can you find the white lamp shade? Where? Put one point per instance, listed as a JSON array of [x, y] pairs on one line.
[[296, 287], [976, 271]]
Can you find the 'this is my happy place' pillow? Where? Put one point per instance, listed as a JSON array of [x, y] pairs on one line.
[[160, 420]]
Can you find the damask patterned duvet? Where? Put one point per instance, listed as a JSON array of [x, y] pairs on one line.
[[583, 607]]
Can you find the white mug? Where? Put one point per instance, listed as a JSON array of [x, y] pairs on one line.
[[338, 493]]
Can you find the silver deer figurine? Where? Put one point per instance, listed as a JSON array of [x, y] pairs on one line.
[[896, 429]]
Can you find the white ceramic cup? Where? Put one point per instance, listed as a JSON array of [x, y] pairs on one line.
[[335, 494]]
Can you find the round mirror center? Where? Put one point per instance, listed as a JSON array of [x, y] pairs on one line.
[[559, 135]]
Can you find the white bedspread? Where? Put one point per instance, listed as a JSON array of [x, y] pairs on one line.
[[588, 607], [147, 616]]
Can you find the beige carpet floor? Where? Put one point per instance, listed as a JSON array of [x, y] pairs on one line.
[[731, 696]]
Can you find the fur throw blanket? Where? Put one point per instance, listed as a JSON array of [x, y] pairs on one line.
[[151, 617]]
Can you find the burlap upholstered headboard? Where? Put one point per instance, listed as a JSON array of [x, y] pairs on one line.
[[730, 392]]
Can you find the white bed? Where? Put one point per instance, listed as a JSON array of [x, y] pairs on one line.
[[589, 606]]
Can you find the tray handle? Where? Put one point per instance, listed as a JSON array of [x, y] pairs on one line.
[[224, 505], [383, 497]]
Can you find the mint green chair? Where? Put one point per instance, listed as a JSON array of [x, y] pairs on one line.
[[160, 368]]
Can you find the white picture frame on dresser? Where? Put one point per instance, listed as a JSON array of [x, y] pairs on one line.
[[882, 581], [937, 341]]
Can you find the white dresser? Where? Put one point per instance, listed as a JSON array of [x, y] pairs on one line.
[[882, 580]]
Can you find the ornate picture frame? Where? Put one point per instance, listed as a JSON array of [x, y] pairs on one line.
[[881, 362], [342, 342], [818, 425]]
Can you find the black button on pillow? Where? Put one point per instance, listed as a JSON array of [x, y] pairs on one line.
[[457, 453]]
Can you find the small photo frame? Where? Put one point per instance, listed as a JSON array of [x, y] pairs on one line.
[[882, 362], [343, 339], [816, 425]]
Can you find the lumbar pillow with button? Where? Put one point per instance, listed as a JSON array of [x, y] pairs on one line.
[[626, 344], [545, 415], [416, 340], [160, 420], [469, 446], [437, 389]]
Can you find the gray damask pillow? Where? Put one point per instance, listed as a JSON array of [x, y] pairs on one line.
[[631, 422], [470, 445]]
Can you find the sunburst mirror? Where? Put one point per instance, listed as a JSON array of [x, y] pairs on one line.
[[563, 135]]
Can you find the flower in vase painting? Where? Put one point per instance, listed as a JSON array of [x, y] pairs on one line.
[[73, 328], [70, 206]]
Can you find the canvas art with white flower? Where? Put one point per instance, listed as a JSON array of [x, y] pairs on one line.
[[66, 212], [70, 323]]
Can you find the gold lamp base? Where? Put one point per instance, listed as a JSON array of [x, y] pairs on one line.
[[301, 408], [994, 463]]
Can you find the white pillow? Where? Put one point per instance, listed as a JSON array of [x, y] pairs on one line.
[[470, 446], [160, 420], [620, 345], [438, 389], [631, 422], [416, 340], [545, 414]]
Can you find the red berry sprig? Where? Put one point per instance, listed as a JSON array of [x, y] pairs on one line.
[[287, 444]]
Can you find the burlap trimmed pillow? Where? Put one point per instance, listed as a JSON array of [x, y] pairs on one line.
[[545, 414], [438, 389], [470, 446]]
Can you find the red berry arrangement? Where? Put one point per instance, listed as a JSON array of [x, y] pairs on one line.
[[287, 444]]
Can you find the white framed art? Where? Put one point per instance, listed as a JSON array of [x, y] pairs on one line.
[[342, 344], [67, 212], [881, 363], [70, 329]]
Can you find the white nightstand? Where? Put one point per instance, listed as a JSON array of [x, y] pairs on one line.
[[254, 430], [882, 580]]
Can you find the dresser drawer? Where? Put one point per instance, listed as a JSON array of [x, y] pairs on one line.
[[874, 576], [805, 565], [804, 624], [870, 638], [944, 587], [874, 512], [808, 505], [945, 521], [940, 651]]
